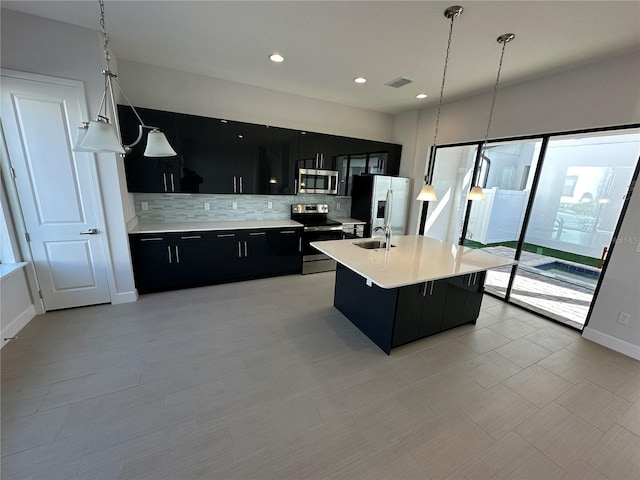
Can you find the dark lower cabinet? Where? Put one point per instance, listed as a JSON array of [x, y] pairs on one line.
[[419, 311], [394, 317], [165, 262], [464, 295], [188, 259]]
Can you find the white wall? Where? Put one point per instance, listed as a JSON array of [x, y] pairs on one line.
[[620, 290], [599, 95], [36, 45], [175, 91], [16, 305]]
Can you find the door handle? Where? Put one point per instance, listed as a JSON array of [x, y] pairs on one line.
[[91, 231]]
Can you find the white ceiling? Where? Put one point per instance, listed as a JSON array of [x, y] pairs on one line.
[[327, 44]]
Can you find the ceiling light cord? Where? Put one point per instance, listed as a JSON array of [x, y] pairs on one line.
[[444, 76], [504, 39]]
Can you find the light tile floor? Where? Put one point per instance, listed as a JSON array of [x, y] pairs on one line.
[[266, 380]]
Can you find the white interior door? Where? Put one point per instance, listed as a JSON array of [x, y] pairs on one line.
[[57, 189]]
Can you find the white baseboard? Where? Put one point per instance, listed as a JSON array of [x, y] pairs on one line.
[[17, 324], [626, 348], [124, 297]]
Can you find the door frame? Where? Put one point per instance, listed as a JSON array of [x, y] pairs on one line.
[[15, 207]]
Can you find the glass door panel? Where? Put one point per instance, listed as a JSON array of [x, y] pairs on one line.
[[495, 224], [577, 206], [453, 170]]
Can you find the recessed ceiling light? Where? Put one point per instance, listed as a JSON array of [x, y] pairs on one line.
[[421, 95], [360, 80], [276, 57]]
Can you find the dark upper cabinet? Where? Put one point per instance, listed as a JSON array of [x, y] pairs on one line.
[[224, 156], [282, 152], [149, 174], [318, 150], [252, 169]]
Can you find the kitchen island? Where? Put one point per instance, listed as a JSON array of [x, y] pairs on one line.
[[419, 287]]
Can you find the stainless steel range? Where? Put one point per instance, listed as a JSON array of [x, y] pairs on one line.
[[317, 227]]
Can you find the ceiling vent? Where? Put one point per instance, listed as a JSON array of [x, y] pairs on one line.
[[399, 82]]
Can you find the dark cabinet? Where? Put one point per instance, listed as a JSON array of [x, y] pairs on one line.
[[147, 174], [282, 153], [419, 311], [223, 156], [318, 150], [464, 296], [164, 262], [179, 260]]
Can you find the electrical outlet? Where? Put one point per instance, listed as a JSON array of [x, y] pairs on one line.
[[207, 206], [624, 318], [269, 204], [144, 206], [234, 205]]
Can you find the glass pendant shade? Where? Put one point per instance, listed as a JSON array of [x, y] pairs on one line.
[[475, 194], [81, 134], [158, 145], [427, 194], [101, 137]]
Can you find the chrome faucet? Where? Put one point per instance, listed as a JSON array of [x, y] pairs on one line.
[[387, 235], [386, 228]]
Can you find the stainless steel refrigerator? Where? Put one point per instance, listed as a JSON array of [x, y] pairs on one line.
[[370, 202]]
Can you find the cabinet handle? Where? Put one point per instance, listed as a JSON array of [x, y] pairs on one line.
[[239, 250], [287, 231], [431, 290], [177, 255], [258, 233], [234, 184], [164, 180], [300, 244], [423, 289], [173, 187], [469, 281], [190, 237], [322, 160], [226, 235], [241, 189], [169, 251], [151, 239], [295, 186], [245, 249]]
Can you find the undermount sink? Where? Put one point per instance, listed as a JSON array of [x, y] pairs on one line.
[[371, 244]]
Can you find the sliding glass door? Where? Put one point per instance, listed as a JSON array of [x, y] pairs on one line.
[[552, 203], [575, 211], [495, 225]]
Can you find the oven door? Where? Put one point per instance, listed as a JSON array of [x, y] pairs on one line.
[[311, 180], [314, 261]]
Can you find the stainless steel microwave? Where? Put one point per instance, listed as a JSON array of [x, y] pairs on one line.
[[312, 180]]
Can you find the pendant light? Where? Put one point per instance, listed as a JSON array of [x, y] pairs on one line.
[[103, 134], [476, 191], [428, 194]]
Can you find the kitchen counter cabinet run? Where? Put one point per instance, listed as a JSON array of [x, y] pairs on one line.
[[170, 261], [397, 316]]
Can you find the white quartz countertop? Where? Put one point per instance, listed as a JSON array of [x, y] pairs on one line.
[[348, 221], [204, 226], [414, 259]]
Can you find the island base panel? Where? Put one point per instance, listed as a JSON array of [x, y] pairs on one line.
[[370, 308]]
